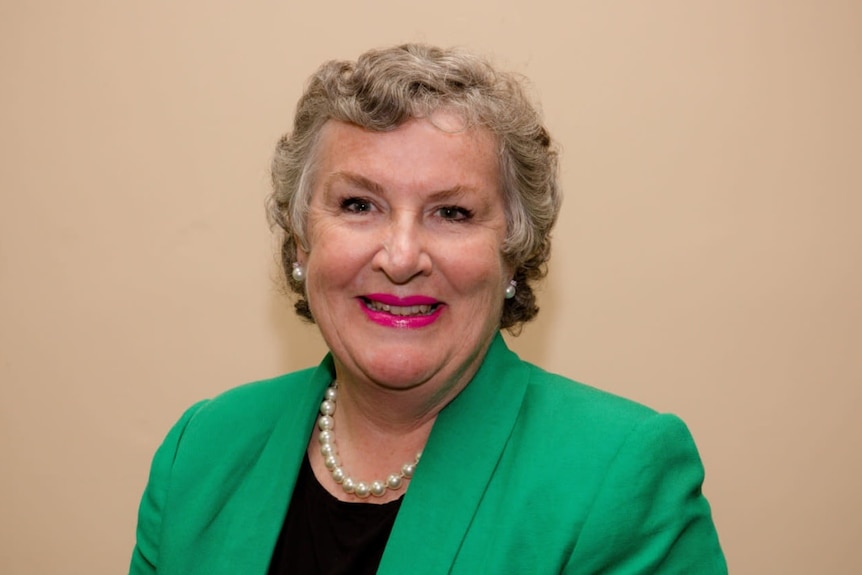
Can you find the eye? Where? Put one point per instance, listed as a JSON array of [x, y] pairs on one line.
[[454, 213], [355, 205]]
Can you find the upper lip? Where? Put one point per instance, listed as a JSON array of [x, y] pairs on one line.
[[391, 299]]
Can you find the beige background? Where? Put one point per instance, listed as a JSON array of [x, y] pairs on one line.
[[707, 261]]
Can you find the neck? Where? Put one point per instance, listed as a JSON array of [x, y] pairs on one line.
[[378, 429], [355, 456]]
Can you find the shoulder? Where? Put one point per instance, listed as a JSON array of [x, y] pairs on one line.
[[578, 408], [258, 401], [557, 417], [620, 482], [218, 446], [587, 432], [635, 479], [243, 413]]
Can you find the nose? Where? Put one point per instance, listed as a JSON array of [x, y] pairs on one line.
[[403, 252]]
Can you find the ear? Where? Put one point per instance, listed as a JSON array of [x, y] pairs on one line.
[[509, 272], [301, 253]]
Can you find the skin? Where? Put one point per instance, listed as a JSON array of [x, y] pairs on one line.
[[416, 211]]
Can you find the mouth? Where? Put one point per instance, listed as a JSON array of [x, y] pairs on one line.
[[401, 310]]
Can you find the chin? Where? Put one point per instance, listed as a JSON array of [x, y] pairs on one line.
[[403, 372]]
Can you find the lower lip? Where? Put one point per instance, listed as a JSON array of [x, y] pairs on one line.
[[401, 321]]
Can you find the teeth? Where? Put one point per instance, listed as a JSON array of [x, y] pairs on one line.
[[399, 309]]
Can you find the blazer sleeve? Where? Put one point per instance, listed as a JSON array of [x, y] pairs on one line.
[[650, 515], [145, 556]]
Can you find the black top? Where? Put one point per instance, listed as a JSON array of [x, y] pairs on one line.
[[324, 535]]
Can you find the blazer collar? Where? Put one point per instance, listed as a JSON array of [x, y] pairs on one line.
[[267, 491], [458, 461]]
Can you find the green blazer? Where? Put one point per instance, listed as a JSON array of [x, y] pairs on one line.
[[525, 472]]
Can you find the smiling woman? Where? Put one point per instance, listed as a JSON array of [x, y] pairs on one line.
[[416, 194], [408, 217]]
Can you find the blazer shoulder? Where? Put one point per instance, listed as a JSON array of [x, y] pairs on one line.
[[211, 481], [252, 404], [241, 420], [575, 401]]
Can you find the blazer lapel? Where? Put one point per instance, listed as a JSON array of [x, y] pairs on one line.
[[464, 447], [272, 484], [248, 526]]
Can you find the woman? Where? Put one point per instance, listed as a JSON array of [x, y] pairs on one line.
[[416, 193]]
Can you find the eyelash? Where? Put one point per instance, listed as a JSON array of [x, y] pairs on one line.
[[461, 214], [357, 205]]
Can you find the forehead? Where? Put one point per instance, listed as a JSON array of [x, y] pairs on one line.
[[428, 151]]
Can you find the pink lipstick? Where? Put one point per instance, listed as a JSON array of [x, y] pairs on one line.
[[409, 312]]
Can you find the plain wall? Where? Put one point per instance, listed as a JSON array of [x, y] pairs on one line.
[[707, 260]]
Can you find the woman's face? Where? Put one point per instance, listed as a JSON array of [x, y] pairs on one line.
[[405, 275]]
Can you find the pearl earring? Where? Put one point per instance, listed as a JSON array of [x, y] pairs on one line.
[[298, 274], [511, 289]]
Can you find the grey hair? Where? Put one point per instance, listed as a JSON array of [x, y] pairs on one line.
[[385, 88]]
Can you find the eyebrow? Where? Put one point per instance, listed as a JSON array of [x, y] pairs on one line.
[[452, 193], [370, 185], [354, 180]]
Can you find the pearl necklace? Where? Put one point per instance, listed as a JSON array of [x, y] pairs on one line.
[[326, 424]]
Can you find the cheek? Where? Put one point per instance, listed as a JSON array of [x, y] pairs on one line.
[[336, 255], [322, 238], [476, 269]]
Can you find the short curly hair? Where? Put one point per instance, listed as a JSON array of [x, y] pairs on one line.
[[385, 88]]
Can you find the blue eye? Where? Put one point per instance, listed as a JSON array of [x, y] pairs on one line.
[[454, 213], [355, 205]]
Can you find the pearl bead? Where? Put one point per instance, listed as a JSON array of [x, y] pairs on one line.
[[393, 481], [362, 490], [326, 438], [348, 485], [377, 488], [297, 273]]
